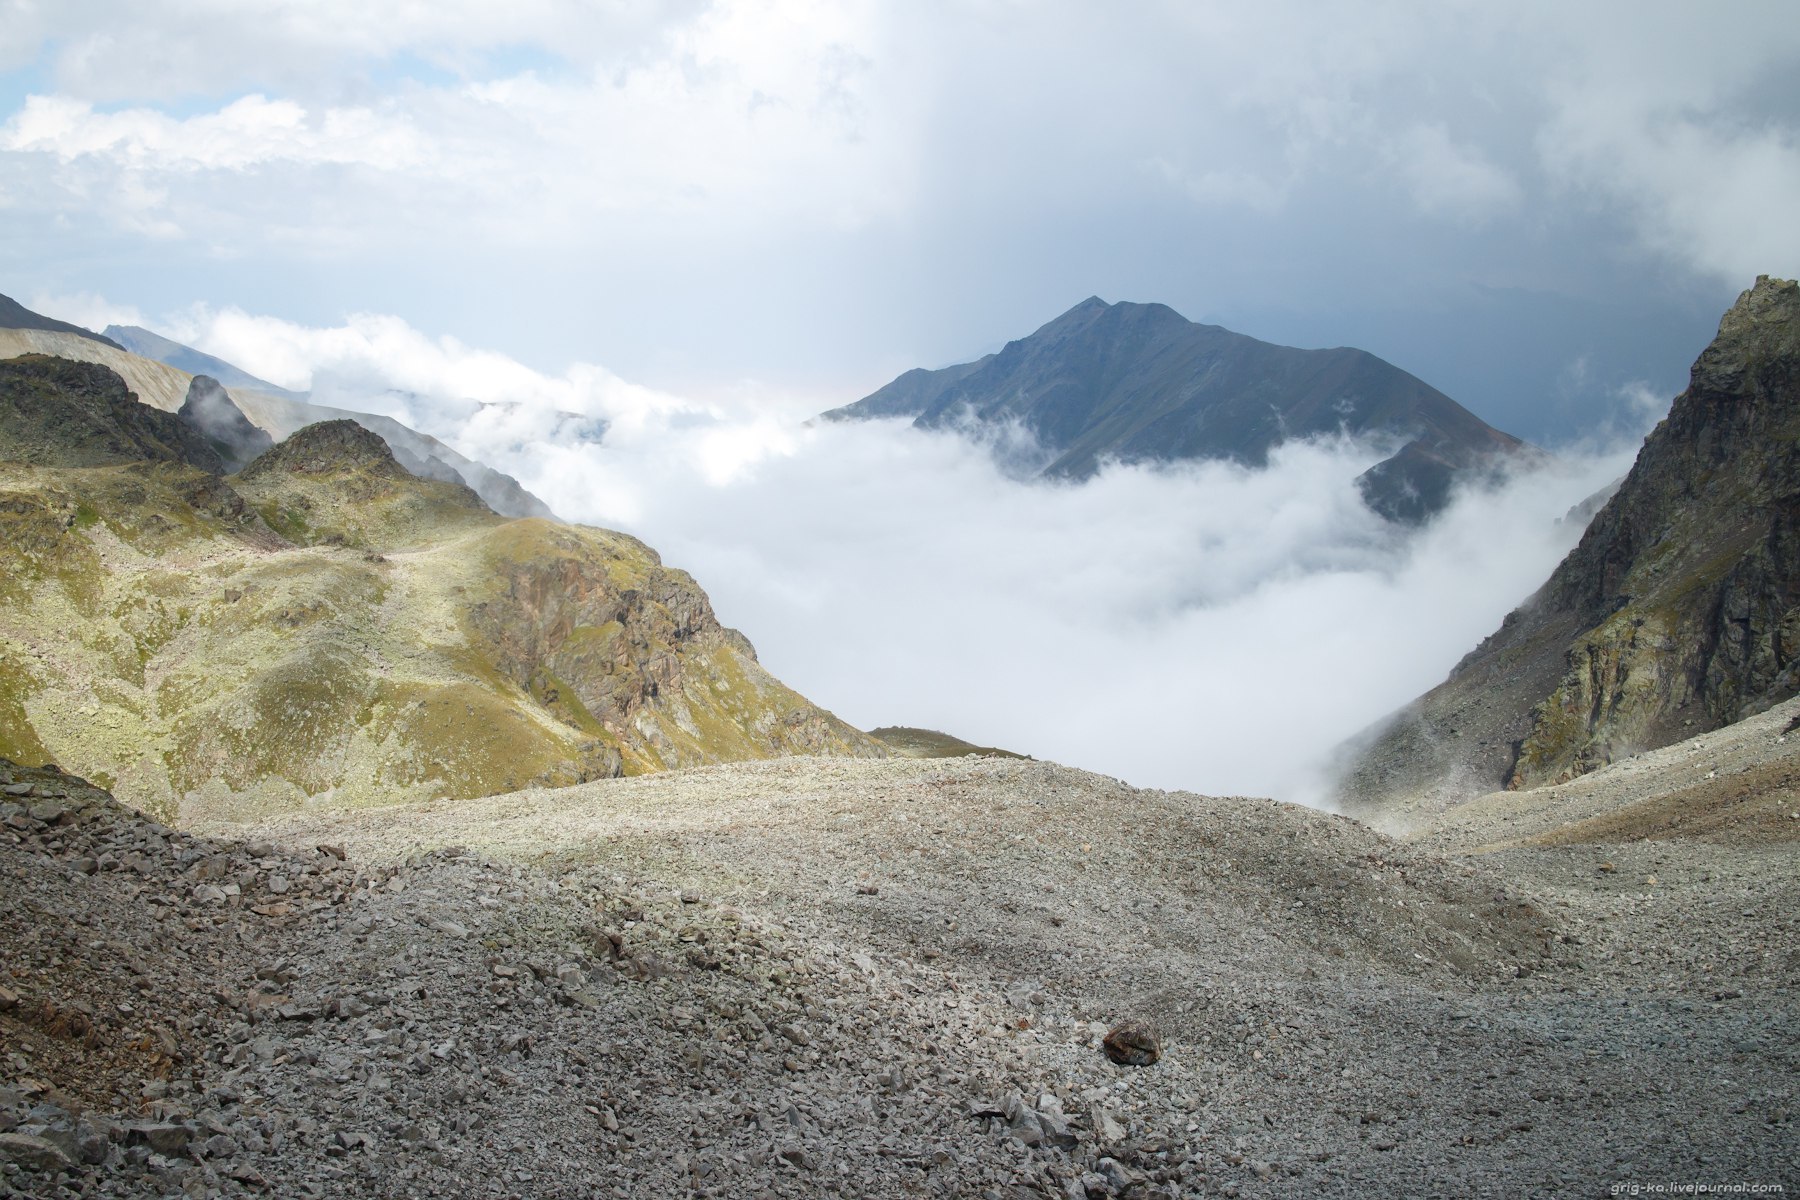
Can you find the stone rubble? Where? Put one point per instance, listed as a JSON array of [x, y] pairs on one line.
[[436, 1003]]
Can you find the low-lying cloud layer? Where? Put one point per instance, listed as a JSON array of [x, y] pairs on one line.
[[1203, 626]]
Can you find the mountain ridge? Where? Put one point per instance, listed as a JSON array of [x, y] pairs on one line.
[[1139, 382], [149, 344], [165, 385]]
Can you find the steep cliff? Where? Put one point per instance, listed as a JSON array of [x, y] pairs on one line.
[[1678, 612]]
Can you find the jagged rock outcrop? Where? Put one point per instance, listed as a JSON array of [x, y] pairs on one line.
[[209, 409], [326, 626], [1139, 382], [329, 448], [336, 482], [1678, 612], [59, 413]]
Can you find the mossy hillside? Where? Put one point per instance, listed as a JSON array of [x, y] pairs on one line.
[[461, 740], [18, 739], [355, 510], [50, 519], [910, 742], [182, 649]]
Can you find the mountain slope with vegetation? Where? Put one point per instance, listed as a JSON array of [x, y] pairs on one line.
[[325, 624], [1141, 383], [1678, 612]]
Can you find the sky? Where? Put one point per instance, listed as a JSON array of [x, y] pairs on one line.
[[706, 221]]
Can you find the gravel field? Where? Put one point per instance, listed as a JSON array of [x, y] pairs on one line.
[[816, 977]]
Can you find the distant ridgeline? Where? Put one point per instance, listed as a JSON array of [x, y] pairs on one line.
[[161, 373], [324, 624], [1677, 613], [1140, 383]]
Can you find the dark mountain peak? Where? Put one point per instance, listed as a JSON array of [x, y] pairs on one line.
[[1672, 616], [56, 412], [328, 448], [1139, 382], [14, 315], [209, 408], [1097, 315]]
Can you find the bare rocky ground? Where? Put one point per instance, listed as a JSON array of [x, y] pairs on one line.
[[817, 977]]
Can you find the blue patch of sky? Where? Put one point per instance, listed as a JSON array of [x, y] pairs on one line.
[[503, 62], [35, 79], [38, 78]]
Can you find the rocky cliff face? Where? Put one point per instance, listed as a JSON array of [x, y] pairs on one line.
[[1139, 382], [620, 646], [324, 626], [1678, 612]]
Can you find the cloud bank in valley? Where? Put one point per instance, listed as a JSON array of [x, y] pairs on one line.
[[1202, 626]]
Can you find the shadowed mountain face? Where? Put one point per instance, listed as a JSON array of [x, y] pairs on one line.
[[1138, 382], [1678, 612], [325, 624]]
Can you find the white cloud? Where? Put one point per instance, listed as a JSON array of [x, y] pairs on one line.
[[84, 309], [805, 151], [1448, 179], [1203, 626], [1700, 189], [245, 133], [1683, 119], [378, 362], [106, 50]]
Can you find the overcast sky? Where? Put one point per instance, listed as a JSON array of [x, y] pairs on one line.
[[1526, 204], [707, 221]]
